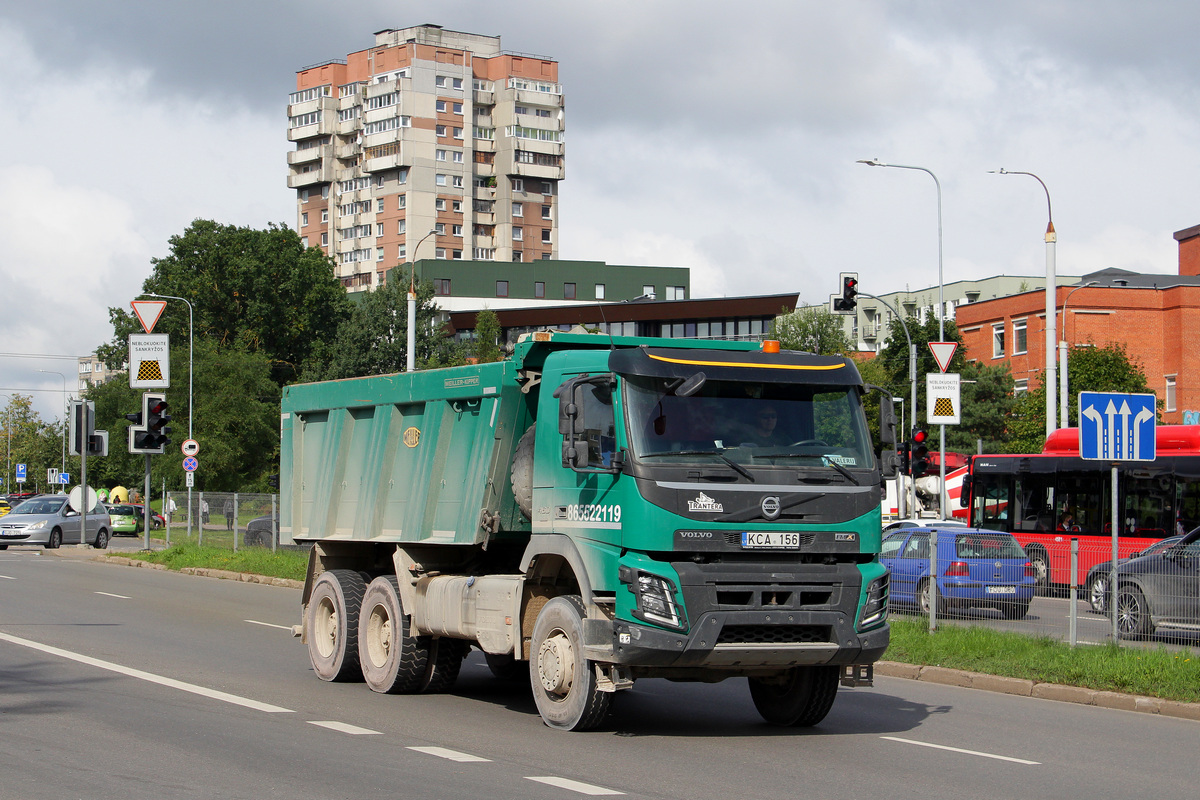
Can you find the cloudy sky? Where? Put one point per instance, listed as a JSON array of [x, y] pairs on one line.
[[719, 136]]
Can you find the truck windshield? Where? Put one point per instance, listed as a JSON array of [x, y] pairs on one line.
[[797, 425]]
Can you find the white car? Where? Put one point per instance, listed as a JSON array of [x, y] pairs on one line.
[[923, 523]]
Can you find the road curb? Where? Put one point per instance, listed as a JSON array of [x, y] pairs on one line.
[[223, 574], [1044, 691]]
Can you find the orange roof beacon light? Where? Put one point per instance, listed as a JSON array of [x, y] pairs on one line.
[[770, 346]]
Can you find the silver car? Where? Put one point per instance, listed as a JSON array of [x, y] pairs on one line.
[[48, 520]]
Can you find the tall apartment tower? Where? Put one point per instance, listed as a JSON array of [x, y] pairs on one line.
[[433, 139]]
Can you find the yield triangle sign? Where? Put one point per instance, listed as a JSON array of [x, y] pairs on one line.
[[148, 312], [942, 353]]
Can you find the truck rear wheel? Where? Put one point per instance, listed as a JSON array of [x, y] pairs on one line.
[[445, 662], [564, 681], [393, 660], [802, 698], [331, 621]]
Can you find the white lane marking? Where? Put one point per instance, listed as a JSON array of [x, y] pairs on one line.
[[453, 755], [961, 750], [343, 727], [8, 577], [574, 786], [268, 624], [147, 676], [110, 594]]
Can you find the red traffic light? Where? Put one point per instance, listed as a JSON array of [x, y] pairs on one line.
[[919, 436]]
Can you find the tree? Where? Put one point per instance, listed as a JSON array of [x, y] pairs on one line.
[[29, 440], [258, 290], [373, 338], [1091, 369], [986, 395], [812, 329], [487, 336], [236, 420]]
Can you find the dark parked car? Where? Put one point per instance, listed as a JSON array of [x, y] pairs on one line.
[[1096, 583], [261, 531], [976, 568], [1160, 590]]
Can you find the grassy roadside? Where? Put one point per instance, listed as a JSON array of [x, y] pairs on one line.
[[1158, 672]]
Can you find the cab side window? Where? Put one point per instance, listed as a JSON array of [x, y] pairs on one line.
[[599, 425]]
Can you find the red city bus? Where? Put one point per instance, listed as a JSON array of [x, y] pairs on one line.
[[1046, 499]]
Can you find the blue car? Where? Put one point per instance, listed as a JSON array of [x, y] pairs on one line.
[[976, 569]]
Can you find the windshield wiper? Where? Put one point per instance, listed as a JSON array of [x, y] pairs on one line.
[[826, 459], [736, 467]]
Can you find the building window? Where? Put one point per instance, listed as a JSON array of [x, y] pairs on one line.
[[1169, 399], [545, 256], [304, 220], [324, 240], [401, 226], [518, 210], [1020, 387], [458, 181], [458, 255], [457, 108], [441, 106], [325, 215], [378, 229], [648, 291], [456, 230], [518, 185], [439, 252], [1019, 341], [440, 180], [539, 289], [439, 155], [501, 288], [456, 206], [401, 201], [516, 255], [546, 235], [599, 291], [379, 254], [675, 293], [458, 156], [545, 212], [998, 340], [379, 205], [440, 130], [518, 234], [439, 204], [304, 195], [441, 286], [568, 291], [440, 228], [547, 188], [484, 253]]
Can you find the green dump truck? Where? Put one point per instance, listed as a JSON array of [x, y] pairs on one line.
[[591, 511]]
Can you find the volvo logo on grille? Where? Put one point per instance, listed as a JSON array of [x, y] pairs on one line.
[[770, 507]]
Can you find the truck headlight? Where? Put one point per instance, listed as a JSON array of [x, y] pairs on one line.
[[874, 610], [655, 596]]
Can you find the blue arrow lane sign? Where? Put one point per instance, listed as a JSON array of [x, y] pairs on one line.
[[1116, 427]]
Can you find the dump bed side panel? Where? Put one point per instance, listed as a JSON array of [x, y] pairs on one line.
[[397, 458]]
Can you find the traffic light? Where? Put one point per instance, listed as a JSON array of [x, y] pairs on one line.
[[904, 451], [148, 434], [849, 301], [920, 452]]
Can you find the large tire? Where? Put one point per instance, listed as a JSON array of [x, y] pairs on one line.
[[564, 682], [393, 660], [1039, 559], [801, 698], [55, 540], [522, 473], [331, 624], [102, 538], [1133, 613], [445, 662]]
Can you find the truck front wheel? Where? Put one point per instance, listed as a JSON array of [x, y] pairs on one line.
[[564, 681], [393, 660], [800, 698], [331, 620]]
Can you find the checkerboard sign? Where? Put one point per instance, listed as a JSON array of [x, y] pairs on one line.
[[149, 361], [942, 399]]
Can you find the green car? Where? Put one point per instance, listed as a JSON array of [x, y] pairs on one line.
[[125, 519]]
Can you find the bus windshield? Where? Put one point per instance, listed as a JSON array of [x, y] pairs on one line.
[[763, 424]]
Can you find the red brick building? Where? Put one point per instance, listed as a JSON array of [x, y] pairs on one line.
[[1155, 317]]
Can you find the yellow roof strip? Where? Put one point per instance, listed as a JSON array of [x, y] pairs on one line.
[[825, 368]]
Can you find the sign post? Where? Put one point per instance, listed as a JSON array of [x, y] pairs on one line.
[[1116, 427]]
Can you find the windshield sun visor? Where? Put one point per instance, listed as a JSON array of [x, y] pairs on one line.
[[751, 365]]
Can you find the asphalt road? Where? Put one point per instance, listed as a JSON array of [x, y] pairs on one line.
[[130, 683]]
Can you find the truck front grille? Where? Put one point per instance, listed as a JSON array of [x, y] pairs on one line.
[[774, 634]]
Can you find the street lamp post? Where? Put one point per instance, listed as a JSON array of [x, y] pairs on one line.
[[410, 357], [1051, 305], [1062, 353], [66, 413], [941, 313], [191, 373]]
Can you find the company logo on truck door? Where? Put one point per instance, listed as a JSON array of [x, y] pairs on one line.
[[412, 437], [706, 504]]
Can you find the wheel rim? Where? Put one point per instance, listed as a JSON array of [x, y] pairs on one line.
[[1041, 569], [325, 628], [1098, 592], [379, 636], [556, 664], [1129, 613], [923, 601]]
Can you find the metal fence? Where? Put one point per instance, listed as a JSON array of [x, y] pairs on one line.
[[223, 519], [1157, 599]]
